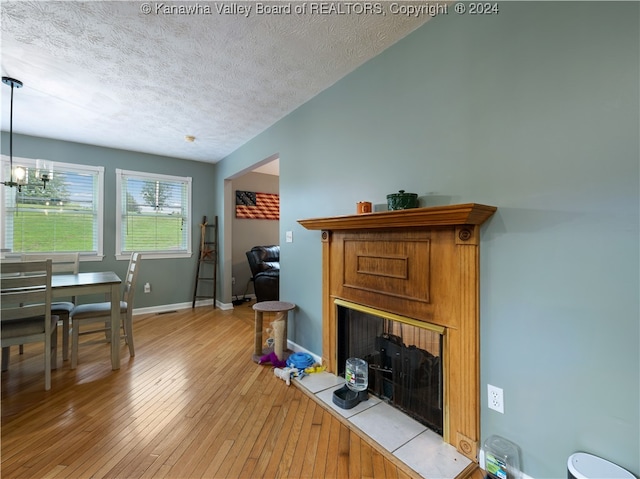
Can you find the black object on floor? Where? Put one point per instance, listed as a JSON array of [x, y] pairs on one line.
[[346, 398]]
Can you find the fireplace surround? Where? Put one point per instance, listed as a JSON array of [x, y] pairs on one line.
[[421, 264]]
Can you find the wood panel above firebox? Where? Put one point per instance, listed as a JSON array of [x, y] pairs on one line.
[[421, 263], [380, 269]]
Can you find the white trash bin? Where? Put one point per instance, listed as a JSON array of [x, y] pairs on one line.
[[587, 466]]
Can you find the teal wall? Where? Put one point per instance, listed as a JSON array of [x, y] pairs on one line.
[[171, 280], [534, 110]]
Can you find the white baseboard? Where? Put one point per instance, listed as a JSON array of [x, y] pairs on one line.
[[164, 308], [167, 308], [224, 306]]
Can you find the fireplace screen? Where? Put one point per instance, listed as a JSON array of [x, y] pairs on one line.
[[405, 366]]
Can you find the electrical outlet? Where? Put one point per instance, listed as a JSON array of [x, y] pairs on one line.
[[147, 288], [233, 280], [496, 398]]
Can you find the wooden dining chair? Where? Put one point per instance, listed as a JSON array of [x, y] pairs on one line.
[[101, 312], [26, 311], [62, 263]]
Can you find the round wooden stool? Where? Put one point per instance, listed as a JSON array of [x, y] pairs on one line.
[[281, 308]]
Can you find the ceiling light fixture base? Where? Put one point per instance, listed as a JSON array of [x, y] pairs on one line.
[[12, 82]]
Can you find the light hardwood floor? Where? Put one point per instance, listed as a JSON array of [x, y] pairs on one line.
[[191, 404]]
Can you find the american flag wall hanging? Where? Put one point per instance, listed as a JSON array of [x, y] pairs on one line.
[[263, 206]]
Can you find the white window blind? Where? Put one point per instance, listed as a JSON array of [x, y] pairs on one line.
[[153, 215], [64, 216]]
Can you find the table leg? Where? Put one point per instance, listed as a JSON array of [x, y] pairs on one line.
[[115, 326], [257, 347], [65, 338]]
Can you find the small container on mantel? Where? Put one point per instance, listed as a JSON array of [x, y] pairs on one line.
[[363, 207], [402, 201]]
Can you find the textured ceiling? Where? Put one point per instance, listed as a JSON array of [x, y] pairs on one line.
[[109, 73]]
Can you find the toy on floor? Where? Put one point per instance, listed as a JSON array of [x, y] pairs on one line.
[[300, 360], [285, 374], [316, 368], [272, 358]]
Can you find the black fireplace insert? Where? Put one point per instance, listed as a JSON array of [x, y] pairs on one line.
[[405, 362]]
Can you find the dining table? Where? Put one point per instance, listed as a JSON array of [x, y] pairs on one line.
[[108, 282]]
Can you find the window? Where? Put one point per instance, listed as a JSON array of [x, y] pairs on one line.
[[153, 215], [64, 216]]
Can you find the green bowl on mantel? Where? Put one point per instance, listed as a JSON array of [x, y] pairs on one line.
[[402, 201]]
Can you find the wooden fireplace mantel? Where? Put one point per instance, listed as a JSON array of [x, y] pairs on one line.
[[468, 213], [421, 263]]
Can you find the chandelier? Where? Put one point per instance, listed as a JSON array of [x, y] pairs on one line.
[[19, 175]]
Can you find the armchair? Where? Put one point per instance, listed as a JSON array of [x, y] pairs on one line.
[[264, 262]]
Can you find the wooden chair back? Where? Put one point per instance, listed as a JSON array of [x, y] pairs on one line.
[[25, 299], [128, 292], [26, 289], [62, 263]]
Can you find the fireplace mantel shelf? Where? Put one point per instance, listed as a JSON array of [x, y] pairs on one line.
[[449, 215]]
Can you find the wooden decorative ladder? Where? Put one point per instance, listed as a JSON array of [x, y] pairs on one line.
[[207, 267]]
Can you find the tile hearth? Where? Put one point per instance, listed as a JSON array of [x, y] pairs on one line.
[[418, 447]]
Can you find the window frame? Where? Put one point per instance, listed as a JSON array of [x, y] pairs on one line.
[[146, 176], [98, 194]]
